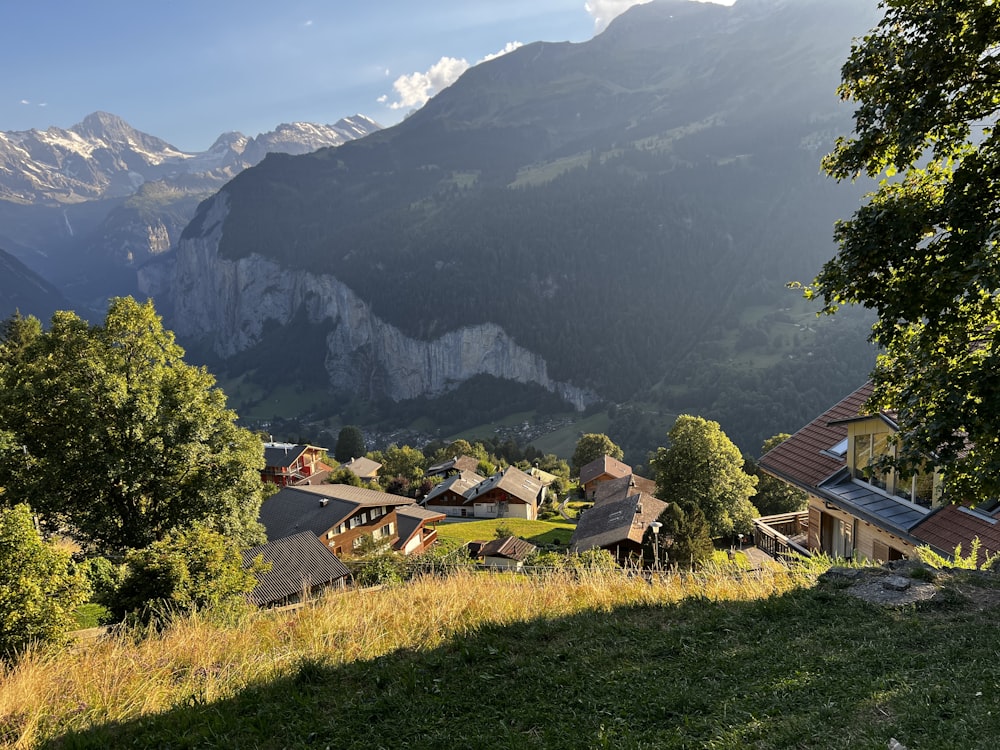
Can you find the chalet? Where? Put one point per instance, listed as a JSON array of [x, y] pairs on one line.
[[619, 519], [449, 497], [343, 516], [453, 465], [301, 566], [601, 470], [363, 468], [507, 494], [288, 464], [856, 510], [508, 553]]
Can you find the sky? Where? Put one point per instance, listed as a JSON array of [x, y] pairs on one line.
[[189, 70]]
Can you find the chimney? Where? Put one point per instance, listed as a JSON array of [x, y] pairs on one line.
[[323, 501]]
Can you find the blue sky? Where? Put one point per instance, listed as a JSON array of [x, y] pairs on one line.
[[187, 71]]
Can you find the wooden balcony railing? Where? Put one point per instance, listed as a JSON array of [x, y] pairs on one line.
[[782, 536]]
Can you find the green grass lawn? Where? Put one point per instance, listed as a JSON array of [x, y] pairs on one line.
[[562, 442], [536, 532]]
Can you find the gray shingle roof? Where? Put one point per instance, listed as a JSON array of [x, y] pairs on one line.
[[616, 521], [461, 483], [298, 563], [282, 454], [296, 509], [512, 481]]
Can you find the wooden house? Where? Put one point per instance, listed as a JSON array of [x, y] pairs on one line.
[[343, 516], [289, 464], [601, 470]]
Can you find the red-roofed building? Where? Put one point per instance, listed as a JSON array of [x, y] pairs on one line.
[[856, 510]]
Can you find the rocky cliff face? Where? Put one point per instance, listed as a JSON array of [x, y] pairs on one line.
[[227, 304]]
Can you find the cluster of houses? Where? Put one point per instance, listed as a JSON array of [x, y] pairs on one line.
[[856, 509]]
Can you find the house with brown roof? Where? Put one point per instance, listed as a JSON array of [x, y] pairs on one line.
[[342, 516], [601, 470], [301, 567], [508, 553], [363, 468], [454, 465], [619, 520], [507, 494], [290, 464], [857, 510], [450, 496]]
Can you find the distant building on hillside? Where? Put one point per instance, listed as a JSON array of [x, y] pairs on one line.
[[289, 464]]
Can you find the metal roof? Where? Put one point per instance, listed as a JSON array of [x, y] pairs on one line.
[[298, 563]]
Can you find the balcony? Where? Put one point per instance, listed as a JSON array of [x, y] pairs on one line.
[[783, 536]]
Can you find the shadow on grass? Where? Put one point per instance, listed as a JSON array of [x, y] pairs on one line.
[[810, 669]]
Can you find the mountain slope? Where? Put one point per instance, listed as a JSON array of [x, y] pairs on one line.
[[26, 292], [624, 210], [85, 206]]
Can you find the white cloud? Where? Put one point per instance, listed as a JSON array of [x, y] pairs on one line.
[[25, 101], [605, 11], [509, 47], [308, 23], [414, 90]]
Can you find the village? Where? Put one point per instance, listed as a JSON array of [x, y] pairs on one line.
[[853, 509]]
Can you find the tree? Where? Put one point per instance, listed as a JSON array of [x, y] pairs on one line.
[[350, 444], [399, 461], [591, 447], [774, 496], [121, 440], [188, 570], [923, 251], [703, 468], [688, 531], [40, 588]]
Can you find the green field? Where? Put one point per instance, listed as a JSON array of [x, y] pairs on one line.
[[536, 532]]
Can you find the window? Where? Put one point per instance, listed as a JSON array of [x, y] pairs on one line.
[[839, 450], [354, 522], [868, 449], [918, 488], [357, 541]]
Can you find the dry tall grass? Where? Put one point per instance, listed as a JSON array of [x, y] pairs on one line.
[[120, 677]]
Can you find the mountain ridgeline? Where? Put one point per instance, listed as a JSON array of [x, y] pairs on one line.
[[617, 218], [612, 220], [85, 206]]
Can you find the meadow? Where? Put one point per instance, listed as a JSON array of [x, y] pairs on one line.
[[717, 659]]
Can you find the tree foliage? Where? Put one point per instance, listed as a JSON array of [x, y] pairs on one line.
[[690, 542], [350, 444], [774, 496], [189, 570], [591, 447], [40, 588], [924, 250], [121, 440], [703, 468]]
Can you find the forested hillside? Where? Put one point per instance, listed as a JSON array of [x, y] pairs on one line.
[[630, 209]]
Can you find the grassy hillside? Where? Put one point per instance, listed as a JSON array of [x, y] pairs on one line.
[[765, 660]]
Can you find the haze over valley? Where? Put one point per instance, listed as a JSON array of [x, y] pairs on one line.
[[603, 229]]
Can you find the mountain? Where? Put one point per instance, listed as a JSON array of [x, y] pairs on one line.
[[85, 206], [609, 221], [26, 292]]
